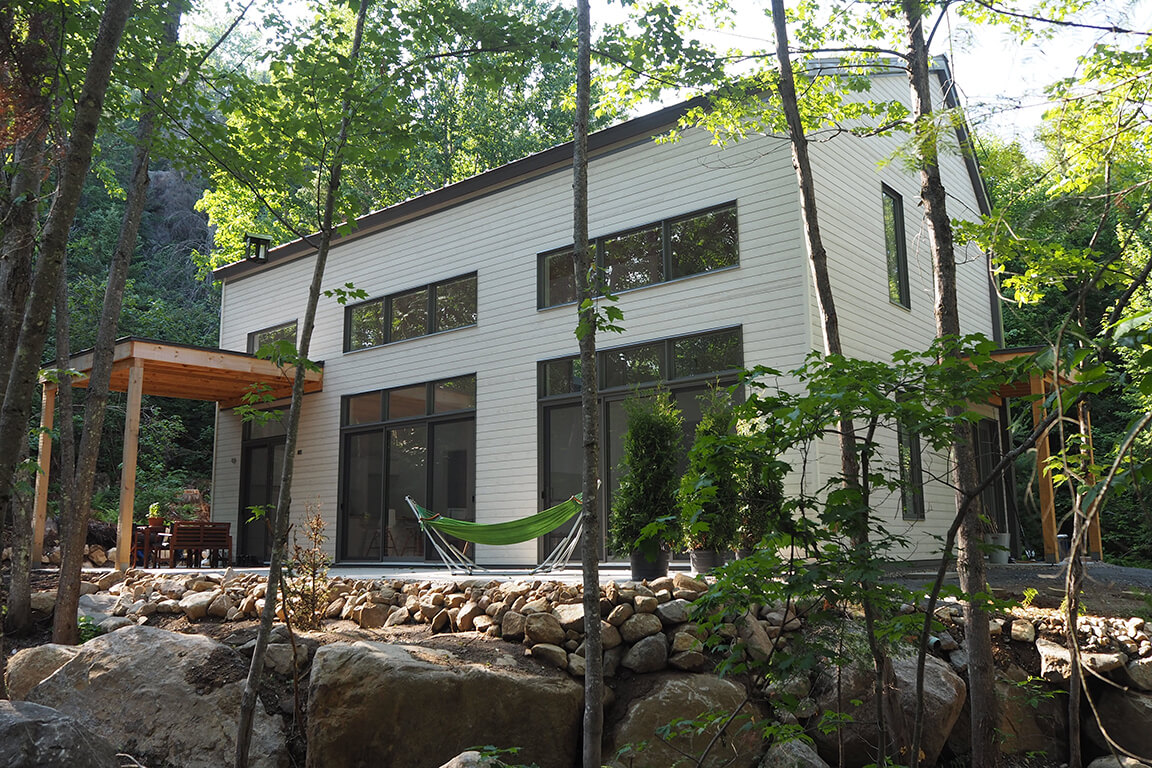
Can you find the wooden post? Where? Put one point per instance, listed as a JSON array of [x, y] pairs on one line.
[[1095, 541], [44, 459], [128, 468], [1047, 495]]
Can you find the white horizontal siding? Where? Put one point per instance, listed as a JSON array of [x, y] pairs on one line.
[[849, 172], [499, 236]]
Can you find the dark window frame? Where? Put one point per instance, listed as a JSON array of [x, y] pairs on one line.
[[666, 266], [253, 335], [430, 418], [911, 460], [431, 322], [606, 396], [668, 372], [896, 265]]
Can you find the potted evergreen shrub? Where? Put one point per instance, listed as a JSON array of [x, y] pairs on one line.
[[644, 519], [761, 496], [709, 495]]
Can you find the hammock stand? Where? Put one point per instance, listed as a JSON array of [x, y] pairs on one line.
[[438, 528]]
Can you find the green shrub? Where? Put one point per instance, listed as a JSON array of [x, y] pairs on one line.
[[644, 506], [709, 495]]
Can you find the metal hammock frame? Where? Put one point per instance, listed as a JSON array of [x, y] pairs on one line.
[[456, 560]]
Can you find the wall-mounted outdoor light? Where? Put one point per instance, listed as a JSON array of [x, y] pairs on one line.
[[256, 247]]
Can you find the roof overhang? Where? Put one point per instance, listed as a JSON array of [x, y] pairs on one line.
[[194, 373]]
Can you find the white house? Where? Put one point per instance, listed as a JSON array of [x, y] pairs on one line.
[[455, 382]]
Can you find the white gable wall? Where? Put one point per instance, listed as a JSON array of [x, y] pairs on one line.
[[849, 172]]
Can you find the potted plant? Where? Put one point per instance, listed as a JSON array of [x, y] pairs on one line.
[[155, 519], [709, 497], [644, 521], [761, 494]]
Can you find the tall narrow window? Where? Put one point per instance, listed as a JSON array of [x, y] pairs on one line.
[[911, 474], [895, 248]]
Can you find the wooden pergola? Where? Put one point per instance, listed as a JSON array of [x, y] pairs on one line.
[[1038, 386], [146, 367]]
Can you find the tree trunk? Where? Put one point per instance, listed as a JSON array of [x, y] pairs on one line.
[[34, 326], [17, 248], [73, 524], [19, 617], [284, 502], [589, 397], [890, 719], [970, 559], [68, 591]]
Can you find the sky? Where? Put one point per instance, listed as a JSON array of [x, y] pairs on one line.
[[1001, 80]]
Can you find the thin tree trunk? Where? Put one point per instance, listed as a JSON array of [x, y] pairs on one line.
[[887, 705], [970, 559], [283, 505], [18, 620], [64, 628], [21, 382], [73, 526], [589, 397]]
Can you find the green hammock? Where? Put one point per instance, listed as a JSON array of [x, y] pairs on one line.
[[528, 528]]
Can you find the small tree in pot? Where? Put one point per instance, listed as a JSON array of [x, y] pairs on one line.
[[709, 496], [644, 518], [761, 494]]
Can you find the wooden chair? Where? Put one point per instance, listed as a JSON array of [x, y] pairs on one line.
[[191, 538], [148, 545]]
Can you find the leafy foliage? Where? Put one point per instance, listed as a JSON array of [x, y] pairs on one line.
[[644, 515]]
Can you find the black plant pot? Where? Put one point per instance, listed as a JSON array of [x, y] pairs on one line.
[[705, 560], [643, 568]]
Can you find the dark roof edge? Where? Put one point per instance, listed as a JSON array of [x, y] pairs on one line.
[[968, 152], [530, 167]]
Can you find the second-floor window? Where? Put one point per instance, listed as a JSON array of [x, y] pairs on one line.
[[895, 248], [265, 336], [408, 314], [654, 253]]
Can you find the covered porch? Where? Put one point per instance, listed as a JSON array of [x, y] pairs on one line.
[[1038, 386], [146, 367]]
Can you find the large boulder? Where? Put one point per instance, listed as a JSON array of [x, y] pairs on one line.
[[1126, 716], [793, 753], [944, 697], [653, 701], [1033, 719], [34, 736], [30, 666], [168, 698], [374, 704]]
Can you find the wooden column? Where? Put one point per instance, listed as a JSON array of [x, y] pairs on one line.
[[44, 459], [1047, 495], [128, 467], [1095, 541]]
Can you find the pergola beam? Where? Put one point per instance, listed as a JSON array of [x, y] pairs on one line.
[[128, 466], [1047, 494], [44, 461]]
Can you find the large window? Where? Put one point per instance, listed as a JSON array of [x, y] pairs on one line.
[[687, 245], [687, 366], [406, 315], [266, 336], [895, 248], [417, 441]]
